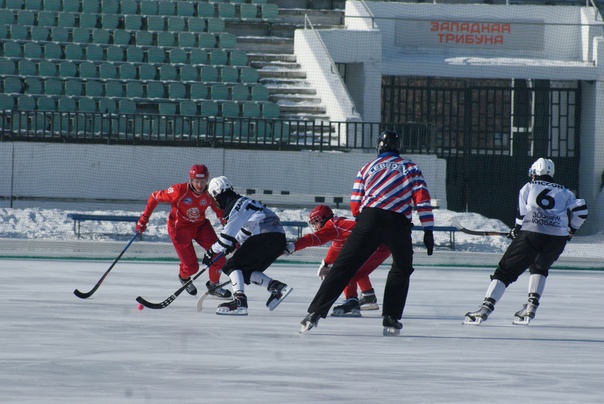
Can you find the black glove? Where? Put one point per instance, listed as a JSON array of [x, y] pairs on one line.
[[514, 232], [429, 241], [208, 257]]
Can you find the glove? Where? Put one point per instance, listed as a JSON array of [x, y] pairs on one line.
[[323, 270], [514, 232], [429, 241], [571, 233], [232, 248], [289, 249], [141, 225], [208, 257]]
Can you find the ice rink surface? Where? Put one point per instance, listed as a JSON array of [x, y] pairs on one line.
[[57, 348]]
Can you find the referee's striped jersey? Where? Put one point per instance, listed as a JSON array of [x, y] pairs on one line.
[[393, 183]]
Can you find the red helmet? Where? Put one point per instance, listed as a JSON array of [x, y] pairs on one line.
[[319, 216], [199, 171]]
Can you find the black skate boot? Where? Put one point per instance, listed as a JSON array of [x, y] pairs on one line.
[[392, 327], [278, 291], [524, 316], [220, 293], [310, 321], [191, 289], [350, 308], [368, 300], [236, 307], [477, 317]]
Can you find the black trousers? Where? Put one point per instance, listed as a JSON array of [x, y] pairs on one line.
[[257, 253], [374, 227]]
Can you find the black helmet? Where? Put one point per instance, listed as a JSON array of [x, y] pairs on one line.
[[389, 141]]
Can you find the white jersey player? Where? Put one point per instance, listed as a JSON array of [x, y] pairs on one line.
[[548, 216], [261, 237]]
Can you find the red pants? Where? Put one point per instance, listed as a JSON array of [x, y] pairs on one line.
[[182, 239], [361, 278]]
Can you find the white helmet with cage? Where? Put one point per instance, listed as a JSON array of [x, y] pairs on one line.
[[542, 167], [219, 185]]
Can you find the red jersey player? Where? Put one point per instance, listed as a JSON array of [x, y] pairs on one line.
[[187, 222], [328, 227]]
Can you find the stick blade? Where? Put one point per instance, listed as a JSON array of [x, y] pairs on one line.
[[82, 295], [200, 301]]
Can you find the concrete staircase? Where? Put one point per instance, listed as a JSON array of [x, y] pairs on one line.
[[270, 48]]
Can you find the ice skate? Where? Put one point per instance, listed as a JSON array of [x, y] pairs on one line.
[[310, 321], [191, 289], [236, 307], [481, 315], [368, 300], [350, 308], [524, 316], [220, 293], [392, 327], [279, 292]]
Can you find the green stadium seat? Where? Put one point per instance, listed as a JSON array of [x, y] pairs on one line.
[[237, 58], [156, 55], [128, 7], [168, 72], [82, 35], [187, 40], [4, 32], [68, 69], [148, 7], [175, 24], [27, 67], [248, 75], [73, 88], [240, 92], [188, 108], [59, 34], [26, 103], [107, 71], [166, 39], [110, 21], [19, 32], [229, 109], [52, 5], [198, 57], [260, 92], [52, 51], [13, 50], [185, 8], [270, 110], [33, 85], [209, 73], [33, 5], [219, 91], [91, 6], [47, 68], [177, 56], [89, 70], [134, 89], [53, 87], [144, 38], [205, 9], [206, 40], [107, 105], [40, 34], [147, 72], [121, 37], [66, 104], [199, 91], [32, 50], [46, 104], [99, 35], [133, 22], [7, 66], [87, 104], [250, 110], [47, 19], [13, 85], [189, 73], [208, 108], [128, 71], [135, 54], [226, 40], [7, 17], [26, 17], [114, 89], [94, 52], [6, 102], [155, 90], [166, 8], [269, 11], [14, 4], [71, 6], [167, 108], [177, 90], [249, 11], [215, 25], [218, 57], [226, 10], [258, 1], [89, 20], [67, 20], [110, 7], [115, 53], [156, 23], [94, 88], [229, 74], [127, 106], [74, 52], [197, 24]]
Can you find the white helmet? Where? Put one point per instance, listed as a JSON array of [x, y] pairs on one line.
[[219, 185], [542, 167]]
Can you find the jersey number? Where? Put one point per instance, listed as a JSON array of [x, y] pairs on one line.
[[544, 200]]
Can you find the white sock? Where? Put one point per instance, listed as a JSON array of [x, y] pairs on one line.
[[237, 282], [260, 279], [495, 290], [536, 284]]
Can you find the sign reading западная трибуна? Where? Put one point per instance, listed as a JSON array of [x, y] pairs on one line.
[[493, 35]]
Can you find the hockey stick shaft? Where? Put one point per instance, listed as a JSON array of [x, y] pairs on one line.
[[203, 297], [456, 223], [86, 295], [172, 297]]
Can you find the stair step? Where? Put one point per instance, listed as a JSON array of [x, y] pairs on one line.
[[314, 109], [272, 73], [295, 99], [279, 57], [274, 90], [285, 65]]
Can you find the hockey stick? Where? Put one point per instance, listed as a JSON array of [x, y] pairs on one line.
[[86, 295], [456, 223], [203, 297], [171, 298]]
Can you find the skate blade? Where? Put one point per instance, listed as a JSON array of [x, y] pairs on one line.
[[521, 321], [238, 312], [341, 313], [471, 321], [370, 306], [276, 302], [306, 326], [391, 332]]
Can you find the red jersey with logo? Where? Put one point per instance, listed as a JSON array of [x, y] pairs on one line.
[[188, 207], [336, 230]]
